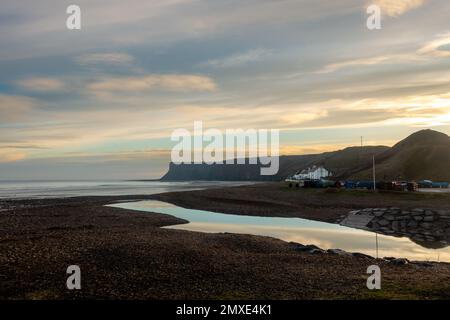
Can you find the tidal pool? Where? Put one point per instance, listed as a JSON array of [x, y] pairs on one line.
[[322, 234]]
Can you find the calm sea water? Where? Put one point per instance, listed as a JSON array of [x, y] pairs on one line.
[[64, 189], [324, 235]]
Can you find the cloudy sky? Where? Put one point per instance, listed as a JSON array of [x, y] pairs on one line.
[[102, 102]]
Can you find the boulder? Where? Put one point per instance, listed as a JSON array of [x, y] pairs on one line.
[[362, 255], [399, 261], [338, 252]]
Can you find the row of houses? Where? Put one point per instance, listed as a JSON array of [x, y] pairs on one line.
[[319, 176]]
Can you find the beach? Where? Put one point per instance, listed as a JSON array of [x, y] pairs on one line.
[[125, 254]]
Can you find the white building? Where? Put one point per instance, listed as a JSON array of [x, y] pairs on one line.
[[314, 172]]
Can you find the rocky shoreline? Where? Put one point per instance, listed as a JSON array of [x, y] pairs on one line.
[[126, 254], [427, 227]]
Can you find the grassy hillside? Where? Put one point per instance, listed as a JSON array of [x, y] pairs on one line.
[[423, 155]]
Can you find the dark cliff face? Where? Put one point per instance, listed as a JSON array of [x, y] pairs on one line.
[[237, 172], [422, 155], [219, 172]]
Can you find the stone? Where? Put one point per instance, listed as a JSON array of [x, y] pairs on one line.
[[316, 251], [418, 218], [417, 212], [426, 225], [422, 264], [412, 224], [361, 255], [383, 222], [429, 213], [338, 252], [395, 225], [378, 213], [298, 246], [399, 261], [428, 219], [389, 217]]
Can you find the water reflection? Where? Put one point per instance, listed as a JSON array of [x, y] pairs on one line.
[[324, 235]]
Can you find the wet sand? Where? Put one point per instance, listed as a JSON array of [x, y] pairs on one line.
[[126, 255]]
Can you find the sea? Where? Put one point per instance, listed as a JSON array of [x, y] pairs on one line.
[[41, 189]]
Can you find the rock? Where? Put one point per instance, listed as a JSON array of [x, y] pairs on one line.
[[428, 219], [338, 252], [399, 261], [415, 212], [422, 264], [412, 224], [316, 251], [297, 246], [443, 212], [426, 225], [362, 255], [383, 222], [429, 213], [418, 218], [378, 214], [419, 238], [389, 217], [354, 212], [308, 248], [395, 225]]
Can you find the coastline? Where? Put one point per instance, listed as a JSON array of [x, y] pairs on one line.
[[125, 254]]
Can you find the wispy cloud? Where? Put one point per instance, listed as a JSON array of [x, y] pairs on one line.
[[177, 82], [370, 61], [438, 47], [42, 84], [11, 156], [395, 8], [13, 108], [239, 59], [112, 58]]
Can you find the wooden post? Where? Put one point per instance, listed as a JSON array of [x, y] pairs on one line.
[[374, 180]]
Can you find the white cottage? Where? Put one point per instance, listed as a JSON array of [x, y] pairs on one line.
[[314, 173]]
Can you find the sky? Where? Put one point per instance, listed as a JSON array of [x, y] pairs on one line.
[[102, 102]]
